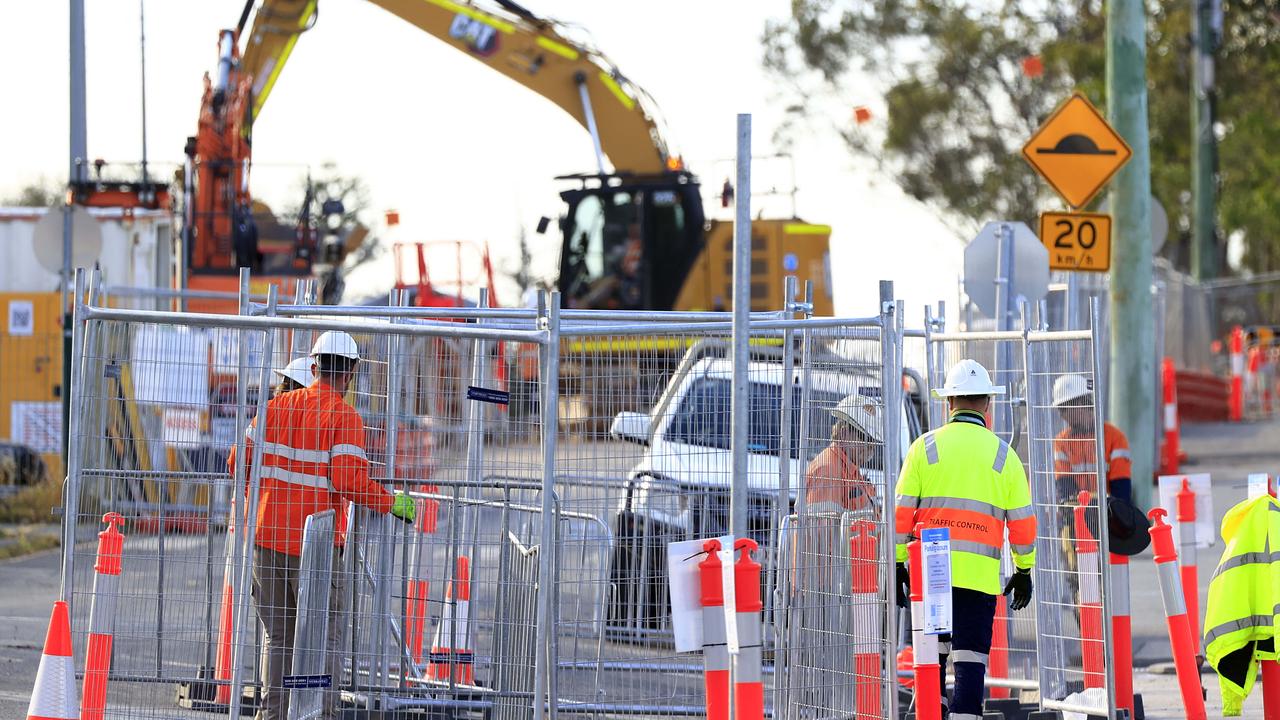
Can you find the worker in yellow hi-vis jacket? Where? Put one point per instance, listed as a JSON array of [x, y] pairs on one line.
[[964, 478]]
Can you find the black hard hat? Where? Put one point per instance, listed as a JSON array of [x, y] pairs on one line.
[[1127, 527]]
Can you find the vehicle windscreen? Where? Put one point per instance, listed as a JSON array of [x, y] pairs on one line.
[[703, 418]]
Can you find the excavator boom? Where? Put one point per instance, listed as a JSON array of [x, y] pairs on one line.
[[511, 41], [635, 235]]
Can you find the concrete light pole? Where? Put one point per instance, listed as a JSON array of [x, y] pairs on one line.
[[1133, 355]]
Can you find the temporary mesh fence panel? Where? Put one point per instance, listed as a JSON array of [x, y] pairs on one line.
[[625, 421], [1066, 471], [148, 445], [316, 584], [830, 626], [1013, 645]]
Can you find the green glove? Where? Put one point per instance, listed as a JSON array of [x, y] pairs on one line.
[[404, 508]]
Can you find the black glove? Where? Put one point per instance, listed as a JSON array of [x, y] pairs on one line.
[[1020, 586], [904, 586]]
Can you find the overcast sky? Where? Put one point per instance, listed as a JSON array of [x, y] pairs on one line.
[[463, 153]]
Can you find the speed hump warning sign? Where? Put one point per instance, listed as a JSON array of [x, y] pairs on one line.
[[1076, 151], [1077, 241]]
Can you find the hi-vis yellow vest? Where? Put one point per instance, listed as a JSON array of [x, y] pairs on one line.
[[964, 478], [1240, 613]]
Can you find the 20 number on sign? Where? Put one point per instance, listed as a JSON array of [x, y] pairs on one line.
[[1077, 241]]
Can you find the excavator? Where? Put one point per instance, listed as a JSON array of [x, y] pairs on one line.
[[635, 232]]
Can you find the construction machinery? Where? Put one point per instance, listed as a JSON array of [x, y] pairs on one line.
[[635, 233]]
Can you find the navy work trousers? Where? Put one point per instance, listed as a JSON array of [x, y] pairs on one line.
[[969, 645]]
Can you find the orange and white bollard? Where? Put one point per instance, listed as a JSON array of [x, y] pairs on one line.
[[102, 618], [716, 665], [998, 662], [1181, 641], [748, 665], [415, 617], [748, 681], [428, 512], [1190, 574], [863, 551], [226, 621], [928, 681], [415, 604], [1235, 404], [1172, 441], [1270, 689], [54, 694], [1089, 573], [1122, 632], [447, 661]]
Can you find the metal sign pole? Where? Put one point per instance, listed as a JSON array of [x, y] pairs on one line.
[[1004, 310], [741, 336], [741, 330]]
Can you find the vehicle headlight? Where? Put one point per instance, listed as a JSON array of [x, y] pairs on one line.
[[659, 501]]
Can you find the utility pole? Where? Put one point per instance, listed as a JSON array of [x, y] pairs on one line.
[[1132, 364], [1206, 24]]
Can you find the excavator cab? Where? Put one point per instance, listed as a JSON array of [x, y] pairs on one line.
[[629, 243]]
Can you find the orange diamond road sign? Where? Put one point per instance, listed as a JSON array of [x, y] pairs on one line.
[[1076, 151], [1077, 241]]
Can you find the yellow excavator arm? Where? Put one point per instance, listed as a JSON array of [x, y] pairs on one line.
[[510, 40]]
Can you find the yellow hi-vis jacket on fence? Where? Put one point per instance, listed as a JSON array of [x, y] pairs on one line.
[[1239, 617], [964, 478]]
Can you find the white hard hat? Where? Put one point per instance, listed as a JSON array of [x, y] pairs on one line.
[[298, 371], [336, 342], [860, 412], [1068, 388], [965, 378]]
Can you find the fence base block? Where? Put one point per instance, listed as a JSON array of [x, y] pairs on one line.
[[1009, 708], [201, 696]]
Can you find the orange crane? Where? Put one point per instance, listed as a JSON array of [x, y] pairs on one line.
[[635, 233]]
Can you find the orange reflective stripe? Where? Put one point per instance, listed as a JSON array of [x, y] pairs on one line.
[[904, 518], [1022, 532]]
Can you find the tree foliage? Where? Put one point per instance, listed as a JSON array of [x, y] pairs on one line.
[[330, 183], [40, 193], [954, 92]]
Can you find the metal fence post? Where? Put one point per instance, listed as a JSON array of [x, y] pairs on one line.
[[386, 559], [1103, 536], [741, 397], [891, 382], [71, 483], [806, 384], [250, 518], [783, 503], [544, 701]]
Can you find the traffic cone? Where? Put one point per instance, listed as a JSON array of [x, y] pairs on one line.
[[448, 662], [54, 696]]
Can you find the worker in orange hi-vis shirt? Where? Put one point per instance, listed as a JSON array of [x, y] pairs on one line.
[[834, 481], [1073, 448], [313, 460]]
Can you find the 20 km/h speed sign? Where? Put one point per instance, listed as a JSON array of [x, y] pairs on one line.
[[1077, 241]]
